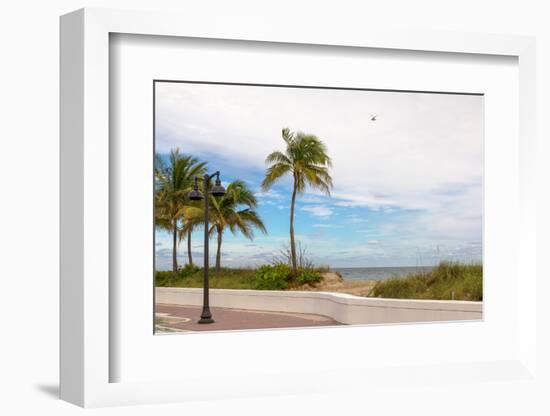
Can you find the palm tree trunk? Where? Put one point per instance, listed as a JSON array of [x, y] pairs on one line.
[[219, 252], [174, 248], [189, 255], [292, 243]]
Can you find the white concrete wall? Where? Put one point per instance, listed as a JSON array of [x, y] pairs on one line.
[[344, 308]]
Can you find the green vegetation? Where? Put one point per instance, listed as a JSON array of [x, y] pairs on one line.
[[305, 158], [193, 277], [448, 281], [277, 276], [308, 276], [273, 277]]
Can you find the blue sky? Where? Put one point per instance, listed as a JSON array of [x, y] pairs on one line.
[[407, 187]]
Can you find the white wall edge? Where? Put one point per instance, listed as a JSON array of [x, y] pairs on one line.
[[342, 307]]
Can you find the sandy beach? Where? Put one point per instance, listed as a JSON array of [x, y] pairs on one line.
[[333, 282]]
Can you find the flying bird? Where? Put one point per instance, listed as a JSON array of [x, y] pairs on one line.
[[373, 117]]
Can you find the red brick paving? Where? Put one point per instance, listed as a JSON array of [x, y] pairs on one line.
[[232, 319]]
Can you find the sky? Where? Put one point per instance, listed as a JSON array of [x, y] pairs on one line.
[[407, 186]]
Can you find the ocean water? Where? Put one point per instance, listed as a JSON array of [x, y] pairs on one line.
[[377, 273]]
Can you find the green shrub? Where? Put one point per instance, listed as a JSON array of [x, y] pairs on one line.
[[273, 277], [188, 270], [167, 278], [164, 278], [308, 276]]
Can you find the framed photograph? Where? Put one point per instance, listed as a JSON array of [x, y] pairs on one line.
[[292, 208], [309, 235]]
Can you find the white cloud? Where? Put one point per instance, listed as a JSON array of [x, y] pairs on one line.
[[356, 219], [326, 226], [421, 143], [318, 210], [312, 199], [270, 194]]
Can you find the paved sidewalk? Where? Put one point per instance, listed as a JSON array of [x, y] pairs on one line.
[[177, 318]]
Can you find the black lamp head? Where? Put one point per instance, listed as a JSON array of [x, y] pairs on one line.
[[218, 189], [195, 194]]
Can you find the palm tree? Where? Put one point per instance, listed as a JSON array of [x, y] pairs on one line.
[[234, 210], [185, 234], [306, 159], [173, 181]]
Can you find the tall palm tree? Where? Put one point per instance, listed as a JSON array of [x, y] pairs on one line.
[[235, 210], [173, 181], [305, 158]]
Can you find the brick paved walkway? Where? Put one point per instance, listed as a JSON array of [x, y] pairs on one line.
[[175, 318]]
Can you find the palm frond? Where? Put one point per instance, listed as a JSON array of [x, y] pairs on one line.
[[318, 177], [173, 182], [306, 157], [235, 211], [273, 173], [278, 157]]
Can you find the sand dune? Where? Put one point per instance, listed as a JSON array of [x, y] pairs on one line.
[[333, 282]]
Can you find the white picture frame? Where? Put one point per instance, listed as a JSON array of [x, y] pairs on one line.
[[86, 355]]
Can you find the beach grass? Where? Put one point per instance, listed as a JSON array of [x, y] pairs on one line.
[[228, 278], [447, 281]]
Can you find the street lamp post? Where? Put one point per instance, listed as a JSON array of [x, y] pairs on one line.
[[196, 195]]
